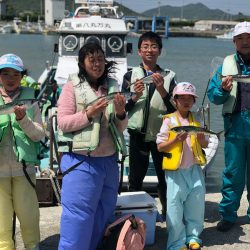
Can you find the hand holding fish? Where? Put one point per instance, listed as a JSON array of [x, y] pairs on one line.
[[238, 78], [182, 136], [227, 83], [202, 139], [95, 109], [138, 88], [148, 79], [119, 103], [158, 80], [20, 112]]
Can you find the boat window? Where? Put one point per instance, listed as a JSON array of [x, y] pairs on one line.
[[70, 44], [105, 12], [93, 39], [82, 13], [115, 46]]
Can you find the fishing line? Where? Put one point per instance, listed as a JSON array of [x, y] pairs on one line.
[[215, 63]]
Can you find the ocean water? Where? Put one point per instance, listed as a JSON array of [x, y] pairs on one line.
[[192, 59]]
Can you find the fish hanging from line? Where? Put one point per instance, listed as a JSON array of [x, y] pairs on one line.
[[8, 108], [239, 78], [109, 97], [148, 79], [194, 130]]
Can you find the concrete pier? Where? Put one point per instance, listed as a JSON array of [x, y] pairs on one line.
[[237, 238]]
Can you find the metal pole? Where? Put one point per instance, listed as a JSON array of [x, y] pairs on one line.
[[41, 8], [159, 8], [182, 10]]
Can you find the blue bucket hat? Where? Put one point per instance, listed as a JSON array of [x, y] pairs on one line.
[[11, 61]]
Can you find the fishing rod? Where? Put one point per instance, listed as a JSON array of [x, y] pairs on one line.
[[50, 75], [215, 63]]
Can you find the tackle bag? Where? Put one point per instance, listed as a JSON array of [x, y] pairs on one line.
[[126, 233]]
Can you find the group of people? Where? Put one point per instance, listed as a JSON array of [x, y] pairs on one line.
[[91, 138]]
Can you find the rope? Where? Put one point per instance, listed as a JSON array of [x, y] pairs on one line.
[[54, 183]]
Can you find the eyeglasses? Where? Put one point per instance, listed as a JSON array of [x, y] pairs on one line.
[[153, 47]]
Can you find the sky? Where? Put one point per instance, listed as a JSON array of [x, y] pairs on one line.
[[230, 6]]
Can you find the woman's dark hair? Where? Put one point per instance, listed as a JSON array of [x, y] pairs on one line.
[[152, 36], [89, 49]]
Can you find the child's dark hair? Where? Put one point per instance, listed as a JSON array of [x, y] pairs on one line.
[[88, 49], [150, 35]]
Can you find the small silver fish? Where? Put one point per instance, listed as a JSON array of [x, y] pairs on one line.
[[149, 79], [194, 130], [109, 97], [8, 108], [240, 78]]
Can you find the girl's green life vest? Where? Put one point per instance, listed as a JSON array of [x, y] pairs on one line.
[[25, 148]]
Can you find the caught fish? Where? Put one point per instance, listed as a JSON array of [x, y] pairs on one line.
[[109, 97], [240, 78], [8, 108], [194, 130], [149, 79]]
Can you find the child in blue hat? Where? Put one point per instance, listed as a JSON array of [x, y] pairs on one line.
[[20, 133]]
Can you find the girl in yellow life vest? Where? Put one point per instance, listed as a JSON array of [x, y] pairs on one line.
[[184, 178]]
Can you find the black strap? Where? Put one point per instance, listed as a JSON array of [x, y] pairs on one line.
[[14, 228], [121, 172], [44, 145], [14, 214], [27, 175], [166, 154], [72, 168], [66, 143]]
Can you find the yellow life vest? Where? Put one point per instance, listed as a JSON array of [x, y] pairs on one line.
[[172, 158]]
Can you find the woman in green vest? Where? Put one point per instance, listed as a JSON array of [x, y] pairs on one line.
[[20, 135], [87, 138]]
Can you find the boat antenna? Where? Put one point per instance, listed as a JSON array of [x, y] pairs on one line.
[[55, 52]]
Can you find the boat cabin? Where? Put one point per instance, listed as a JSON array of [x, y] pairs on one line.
[[94, 21]]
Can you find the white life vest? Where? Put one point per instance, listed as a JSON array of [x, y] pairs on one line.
[[156, 109], [88, 138]]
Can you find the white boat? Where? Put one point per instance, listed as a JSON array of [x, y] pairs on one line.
[[226, 36], [102, 24], [95, 21], [7, 28]]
